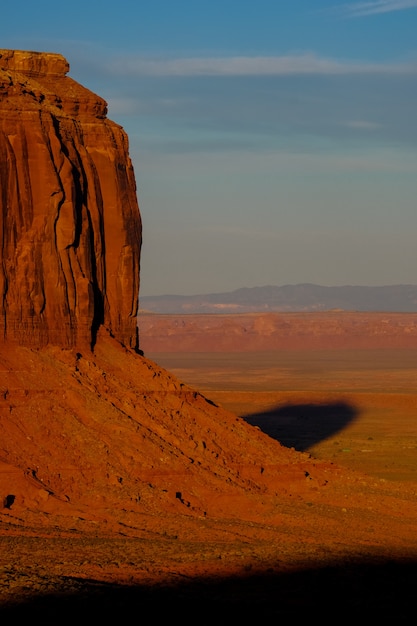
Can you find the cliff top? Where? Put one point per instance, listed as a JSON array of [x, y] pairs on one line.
[[42, 78], [34, 63]]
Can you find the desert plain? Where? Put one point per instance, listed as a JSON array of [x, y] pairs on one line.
[[354, 407], [338, 384], [347, 414]]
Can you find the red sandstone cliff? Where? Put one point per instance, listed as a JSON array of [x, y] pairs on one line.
[[69, 219]]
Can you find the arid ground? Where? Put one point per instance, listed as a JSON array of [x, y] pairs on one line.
[[331, 555], [355, 407]]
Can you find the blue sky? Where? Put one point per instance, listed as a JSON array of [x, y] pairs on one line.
[[273, 142]]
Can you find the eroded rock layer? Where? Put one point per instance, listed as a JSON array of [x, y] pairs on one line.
[[69, 218]]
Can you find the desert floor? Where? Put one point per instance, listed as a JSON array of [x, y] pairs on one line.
[[355, 408]]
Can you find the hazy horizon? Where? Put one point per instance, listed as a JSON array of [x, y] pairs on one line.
[[273, 142], [249, 287]]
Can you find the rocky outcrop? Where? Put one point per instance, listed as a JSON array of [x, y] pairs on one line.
[[69, 218]]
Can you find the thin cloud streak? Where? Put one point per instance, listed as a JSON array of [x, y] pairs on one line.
[[363, 9], [362, 124], [305, 64]]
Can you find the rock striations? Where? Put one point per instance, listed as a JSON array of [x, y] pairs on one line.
[[70, 224]]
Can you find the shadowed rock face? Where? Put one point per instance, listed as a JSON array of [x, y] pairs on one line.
[[69, 219]]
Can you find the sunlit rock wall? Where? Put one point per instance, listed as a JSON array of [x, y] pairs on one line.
[[69, 219]]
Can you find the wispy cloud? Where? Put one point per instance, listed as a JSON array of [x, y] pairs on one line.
[[362, 125], [362, 9], [254, 66]]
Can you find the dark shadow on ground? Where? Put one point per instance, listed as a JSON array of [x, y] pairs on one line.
[[333, 594], [300, 426]]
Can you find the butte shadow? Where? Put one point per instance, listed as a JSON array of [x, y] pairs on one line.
[[301, 426]]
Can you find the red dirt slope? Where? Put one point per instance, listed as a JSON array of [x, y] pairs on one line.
[[112, 439]]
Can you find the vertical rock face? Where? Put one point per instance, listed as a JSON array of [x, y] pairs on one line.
[[69, 220]]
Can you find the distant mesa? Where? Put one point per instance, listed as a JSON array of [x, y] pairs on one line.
[[285, 317], [285, 298], [71, 229]]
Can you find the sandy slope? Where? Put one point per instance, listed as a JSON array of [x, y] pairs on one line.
[[112, 470]]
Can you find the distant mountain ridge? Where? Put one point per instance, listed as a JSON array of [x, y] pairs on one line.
[[286, 298]]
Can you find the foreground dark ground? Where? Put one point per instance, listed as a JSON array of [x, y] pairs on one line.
[[378, 589]]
